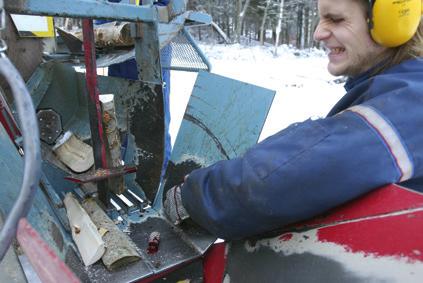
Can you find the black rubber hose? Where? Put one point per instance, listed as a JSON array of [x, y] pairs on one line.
[[32, 156]]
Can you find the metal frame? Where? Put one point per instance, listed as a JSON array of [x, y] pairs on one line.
[[145, 15], [83, 9]]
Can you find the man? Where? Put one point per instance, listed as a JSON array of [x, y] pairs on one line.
[[369, 139]]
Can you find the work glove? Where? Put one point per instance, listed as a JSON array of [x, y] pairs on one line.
[[173, 207]]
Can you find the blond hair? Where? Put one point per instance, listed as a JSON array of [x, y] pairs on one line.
[[409, 50]]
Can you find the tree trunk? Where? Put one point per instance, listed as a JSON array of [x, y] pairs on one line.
[[235, 18], [228, 26], [279, 27], [299, 26], [263, 22], [306, 27], [241, 17]]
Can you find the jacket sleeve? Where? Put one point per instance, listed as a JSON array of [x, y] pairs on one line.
[[162, 3], [293, 175]]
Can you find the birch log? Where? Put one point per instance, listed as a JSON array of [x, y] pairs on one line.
[[113, 34], [117, 184], [84, 232], [120, 250]]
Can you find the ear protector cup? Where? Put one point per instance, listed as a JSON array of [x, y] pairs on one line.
[[394, 22]]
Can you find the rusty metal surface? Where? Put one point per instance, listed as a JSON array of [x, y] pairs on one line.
[[101, 174]]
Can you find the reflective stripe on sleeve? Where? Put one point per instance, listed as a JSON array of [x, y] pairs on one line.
[[390, 136]]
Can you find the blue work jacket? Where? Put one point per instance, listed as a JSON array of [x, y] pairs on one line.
[[371, 138]]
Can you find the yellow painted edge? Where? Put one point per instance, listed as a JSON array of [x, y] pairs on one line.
[[50, 27]]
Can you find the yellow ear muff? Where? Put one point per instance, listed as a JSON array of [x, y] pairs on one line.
[[394, 22]]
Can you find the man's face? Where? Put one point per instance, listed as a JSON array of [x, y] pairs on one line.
[[344, 32]]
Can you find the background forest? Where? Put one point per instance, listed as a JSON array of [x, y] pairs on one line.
[[273, 21]]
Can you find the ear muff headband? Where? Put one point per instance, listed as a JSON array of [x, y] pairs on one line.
[[394, 22]]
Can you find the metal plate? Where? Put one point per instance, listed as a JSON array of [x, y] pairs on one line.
[[50, 125], [224, 117]]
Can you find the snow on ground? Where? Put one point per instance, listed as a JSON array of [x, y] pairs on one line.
[[303, 86]]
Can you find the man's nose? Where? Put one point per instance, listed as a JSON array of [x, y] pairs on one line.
[[321, 32]]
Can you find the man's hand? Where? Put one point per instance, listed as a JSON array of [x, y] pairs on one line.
[[173, 206]]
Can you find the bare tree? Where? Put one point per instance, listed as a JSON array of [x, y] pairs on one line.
[[241, 17], [279, 27], [291, 21], [263, 21]]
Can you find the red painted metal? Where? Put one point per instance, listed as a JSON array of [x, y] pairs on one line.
[[48, 266], [94, 108], [94, 101], [384, 200], [394, 235], [214, 263], [8, 122], [385, 223], [163, 274]]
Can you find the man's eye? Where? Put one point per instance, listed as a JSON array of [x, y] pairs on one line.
[[336, 20]]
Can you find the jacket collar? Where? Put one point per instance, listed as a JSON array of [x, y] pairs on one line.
[[354, 81]]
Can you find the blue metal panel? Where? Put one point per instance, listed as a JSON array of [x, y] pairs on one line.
[[177, 7], [83, 9], [200, 18], [223, 119], [41, 216], [147, 53]]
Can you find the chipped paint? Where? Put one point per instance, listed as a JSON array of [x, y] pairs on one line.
[[189, 157], [383, 255]]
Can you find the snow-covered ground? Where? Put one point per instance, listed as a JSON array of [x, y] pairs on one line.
[[303, 86]]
